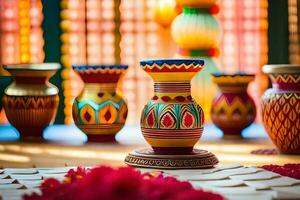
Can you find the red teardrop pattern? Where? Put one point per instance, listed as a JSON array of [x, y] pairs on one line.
[[188, 120], [167, 121], [150, 120]]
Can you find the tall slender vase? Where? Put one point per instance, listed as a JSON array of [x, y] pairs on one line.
[[172, 122], [281, 107], [100, 111], [30, 102], [232, 108]]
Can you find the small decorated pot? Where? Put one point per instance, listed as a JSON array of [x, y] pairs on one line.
[[100, 111], [281, 107], [172, 122], [232, 108], [31, 102]]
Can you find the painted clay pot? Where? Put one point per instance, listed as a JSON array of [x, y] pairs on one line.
[[31, 102], [232, 108], [172, 122], [100, 111], [281, 107]]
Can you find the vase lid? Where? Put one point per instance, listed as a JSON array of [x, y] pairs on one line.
[[282, 69]]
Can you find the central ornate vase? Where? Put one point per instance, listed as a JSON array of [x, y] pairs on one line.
[[100, 111], [172, 122]]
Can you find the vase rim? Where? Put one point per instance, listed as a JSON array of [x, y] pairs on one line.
[[282, 68], [33, 66], [216, 75], [172, 62], [96, 67]]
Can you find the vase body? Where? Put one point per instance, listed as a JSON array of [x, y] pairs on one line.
[[100, 111], [232, 108], [31, 102], [172, 122], [281, 107]]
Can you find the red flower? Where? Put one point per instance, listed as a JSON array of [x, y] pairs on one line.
[[124, 183], [72, 174], [290, 170]]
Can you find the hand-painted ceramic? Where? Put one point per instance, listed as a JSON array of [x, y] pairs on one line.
[[172, 122], [100, 111], [281, 107], [232, 108], [30, 102]]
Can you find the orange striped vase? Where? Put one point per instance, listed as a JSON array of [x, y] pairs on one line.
[[31, 102], [281, 107]]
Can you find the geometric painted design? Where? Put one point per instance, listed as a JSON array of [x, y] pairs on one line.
[[172, 116], [285, 78], [232, 112], [167, 120], [281, 118], [108, 114], [30, 114], [87, 115]]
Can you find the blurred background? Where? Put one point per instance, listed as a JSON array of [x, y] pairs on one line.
[[93, 32]]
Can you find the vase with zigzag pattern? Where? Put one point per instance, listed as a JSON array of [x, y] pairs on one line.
[[31, 101], [281, 107], [100, 110], [233, 109], [172, 122]]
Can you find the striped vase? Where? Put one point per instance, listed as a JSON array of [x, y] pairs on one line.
[[172, 122]]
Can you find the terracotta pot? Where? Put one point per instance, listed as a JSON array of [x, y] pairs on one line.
[[232, 108], [281, 107], [100, 111], [172, 122], [31, 102]]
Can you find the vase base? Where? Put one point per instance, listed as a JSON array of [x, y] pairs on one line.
[[32, 134], [147, 158], [101, 138]]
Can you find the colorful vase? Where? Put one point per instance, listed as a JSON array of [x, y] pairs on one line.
[[100, 111], [172, 122], [232, 108], [31, 102], [281, 107]]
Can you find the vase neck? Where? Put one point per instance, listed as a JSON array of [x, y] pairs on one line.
[[233, 88], [172, 92], [180, 87], [30, 80], [105, 87]]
